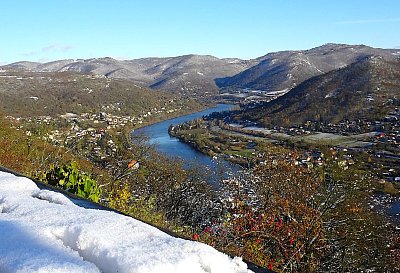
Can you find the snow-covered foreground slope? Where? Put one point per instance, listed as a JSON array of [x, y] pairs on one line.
[[43, 231]]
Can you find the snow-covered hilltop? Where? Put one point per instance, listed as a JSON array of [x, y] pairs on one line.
[[43, 231]]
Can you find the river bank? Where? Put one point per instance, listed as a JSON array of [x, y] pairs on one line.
[[172, 147]]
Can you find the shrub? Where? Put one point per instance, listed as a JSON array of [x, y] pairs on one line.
[[69, 178]]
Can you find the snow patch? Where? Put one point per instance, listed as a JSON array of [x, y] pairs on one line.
[[52, 197], [278, 92]]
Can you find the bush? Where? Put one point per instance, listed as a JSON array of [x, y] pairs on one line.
[[69, 178]]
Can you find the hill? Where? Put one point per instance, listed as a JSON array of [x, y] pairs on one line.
[[203, 75], [287, 69], [25, 93], [190, 74], [367, 89]]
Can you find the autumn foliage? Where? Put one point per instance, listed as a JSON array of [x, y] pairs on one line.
[[269, 219]]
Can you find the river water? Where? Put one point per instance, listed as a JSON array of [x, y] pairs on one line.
[[172, 147]]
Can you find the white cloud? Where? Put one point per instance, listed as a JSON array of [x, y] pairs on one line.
[[368, 21], [57, 48], [53, 48]]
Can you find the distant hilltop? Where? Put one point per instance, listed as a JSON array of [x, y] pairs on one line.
[[200, 75], [368, 89]]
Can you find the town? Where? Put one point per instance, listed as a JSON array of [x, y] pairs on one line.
[[93, 132]]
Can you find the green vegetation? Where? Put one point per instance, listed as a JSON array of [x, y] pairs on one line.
[[70, 179]]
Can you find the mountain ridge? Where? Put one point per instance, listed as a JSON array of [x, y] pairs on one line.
[[186, 74], [205, 75], [369, 89], [286, 69]]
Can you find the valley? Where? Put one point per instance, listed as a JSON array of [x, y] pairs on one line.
[[313, 137]]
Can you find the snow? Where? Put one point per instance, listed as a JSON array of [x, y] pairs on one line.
[[44, 231], [278, 92], [330, 95]]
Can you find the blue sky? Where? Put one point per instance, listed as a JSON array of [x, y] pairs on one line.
[[61, 29]]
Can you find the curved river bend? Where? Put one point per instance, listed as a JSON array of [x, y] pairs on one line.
[[172, 147]]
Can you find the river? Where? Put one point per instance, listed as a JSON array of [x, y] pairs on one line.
[[172, 147]]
